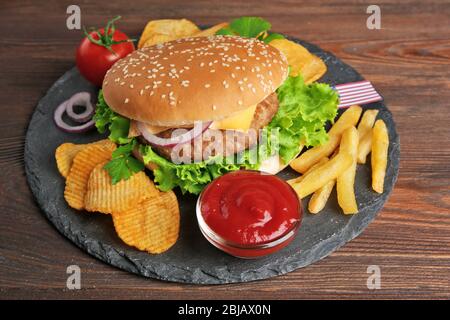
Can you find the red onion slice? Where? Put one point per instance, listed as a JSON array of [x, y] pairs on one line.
[[81, 99], [199, 128], [57, 117]]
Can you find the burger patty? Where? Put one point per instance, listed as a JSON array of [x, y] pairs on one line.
[[264, 112]]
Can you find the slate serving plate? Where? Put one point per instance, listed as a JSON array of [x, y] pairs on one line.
[[193, 259]]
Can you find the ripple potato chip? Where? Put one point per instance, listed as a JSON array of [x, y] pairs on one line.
[[152, 226], [168, 29], [66, 152], [64, 155], [300, 60], [103, 196], [83, 163]]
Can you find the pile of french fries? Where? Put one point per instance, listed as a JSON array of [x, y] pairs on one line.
[[334, 163]]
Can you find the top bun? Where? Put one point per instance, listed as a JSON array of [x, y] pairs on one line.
[[204, 78]]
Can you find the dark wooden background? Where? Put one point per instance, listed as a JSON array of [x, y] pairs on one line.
[[408, 60]]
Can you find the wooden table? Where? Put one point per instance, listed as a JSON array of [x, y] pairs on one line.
[[408, 60]]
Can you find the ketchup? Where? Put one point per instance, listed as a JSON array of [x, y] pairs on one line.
[[250, 208]]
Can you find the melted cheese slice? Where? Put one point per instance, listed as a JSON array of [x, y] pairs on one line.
[[239, 121]]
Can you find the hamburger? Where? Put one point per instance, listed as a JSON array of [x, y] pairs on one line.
[[186, 107]]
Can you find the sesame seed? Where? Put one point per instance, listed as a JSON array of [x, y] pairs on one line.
[[207, 85], [126, 100], [240, 102]]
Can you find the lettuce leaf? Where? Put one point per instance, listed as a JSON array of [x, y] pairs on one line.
[[192, 177], [302, 114], [106, 119]]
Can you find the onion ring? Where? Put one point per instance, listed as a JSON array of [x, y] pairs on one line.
[[83, 99], [61, 124]]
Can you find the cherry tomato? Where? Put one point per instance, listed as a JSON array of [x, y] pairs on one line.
[[99, 50]]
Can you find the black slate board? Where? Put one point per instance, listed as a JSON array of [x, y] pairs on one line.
[[193, 259]]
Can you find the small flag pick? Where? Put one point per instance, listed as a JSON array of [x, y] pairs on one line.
[[360, 92]]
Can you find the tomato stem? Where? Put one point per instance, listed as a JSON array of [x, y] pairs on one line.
[[106, 39]]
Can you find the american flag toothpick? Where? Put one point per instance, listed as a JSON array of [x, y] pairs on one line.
[[360, 92]]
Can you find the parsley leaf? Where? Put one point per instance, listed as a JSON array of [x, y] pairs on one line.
[[273, 36], [123, 165], [250, 27], [225, 32]]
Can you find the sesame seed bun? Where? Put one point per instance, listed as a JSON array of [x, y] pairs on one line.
[[182, 81]]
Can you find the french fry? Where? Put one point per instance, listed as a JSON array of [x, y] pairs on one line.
[[366, 123], [320, 197], [345, 184], [323, 174], [380, 146], [365, 134], [348, 119], [211, 31], [298, 179], [364, 147]]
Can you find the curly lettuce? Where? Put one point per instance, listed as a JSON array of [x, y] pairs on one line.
[[303, 112]]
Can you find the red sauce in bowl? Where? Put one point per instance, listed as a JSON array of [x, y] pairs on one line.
[[248, 213]]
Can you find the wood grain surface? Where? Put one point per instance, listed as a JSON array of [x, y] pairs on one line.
[[408, 61]]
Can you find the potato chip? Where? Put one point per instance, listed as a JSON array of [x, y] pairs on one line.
[[66, 152], [103, 196], [64, 155], [158, 31], [157, 39], [83, 163], [152, 226], [314, 70], [211, 31], [300, 60]]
